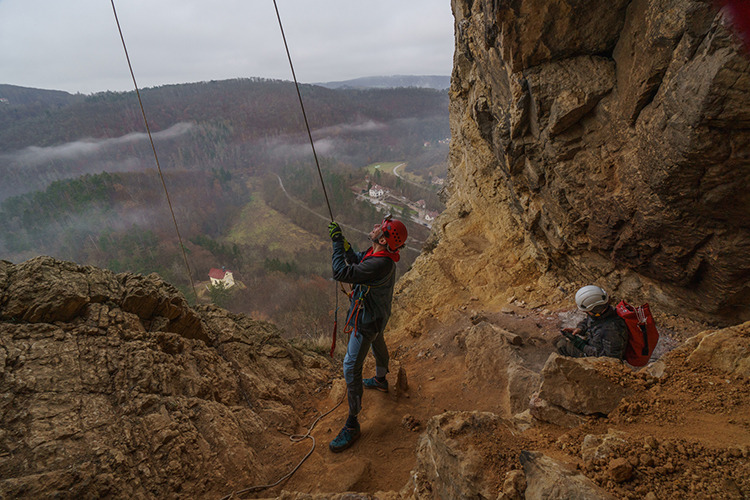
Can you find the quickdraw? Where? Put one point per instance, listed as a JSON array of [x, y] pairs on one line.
[[349, 326]]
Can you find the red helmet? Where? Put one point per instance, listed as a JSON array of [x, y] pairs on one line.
[[394, 232]]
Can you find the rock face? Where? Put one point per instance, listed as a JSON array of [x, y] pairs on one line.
[[549, 479], [110, 384], [600, 142], [492, 361], [454, 452], [573, 388], [727, 350]]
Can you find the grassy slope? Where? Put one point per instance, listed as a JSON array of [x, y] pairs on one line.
[[262, 225], [384, 166]]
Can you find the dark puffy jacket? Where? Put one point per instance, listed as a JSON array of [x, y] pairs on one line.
[[373, 279], [606, 335]]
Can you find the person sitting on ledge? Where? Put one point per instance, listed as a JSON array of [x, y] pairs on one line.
[[602, 333]]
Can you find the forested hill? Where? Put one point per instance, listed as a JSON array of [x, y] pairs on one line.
[[25, 96], [79, 181], [254, 108]]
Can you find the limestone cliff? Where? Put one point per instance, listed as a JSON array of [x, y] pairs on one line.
[[112, 386], [594, 142]]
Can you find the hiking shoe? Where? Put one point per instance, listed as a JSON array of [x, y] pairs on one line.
[[345, 439], [374, 383]]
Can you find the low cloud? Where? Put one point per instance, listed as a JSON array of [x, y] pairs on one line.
[[287, 150], [35, 155], [343, 128]]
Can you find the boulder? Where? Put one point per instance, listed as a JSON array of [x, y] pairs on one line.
[[522, 383], [727, 350], [514, 486], [44, 290], [596, 447], [494, 360], [450, 461], [585, 386], [549, 479], [545, 411]]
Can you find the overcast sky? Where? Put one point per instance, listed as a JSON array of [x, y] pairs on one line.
[[74, 45]]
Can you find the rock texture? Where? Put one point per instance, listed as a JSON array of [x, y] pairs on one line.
[[549, 479], [573, 388], [494, 362], [454, 454], [602, 142], [111, 385], [727, 350]]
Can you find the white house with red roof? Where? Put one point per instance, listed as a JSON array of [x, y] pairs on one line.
[[222, 277]]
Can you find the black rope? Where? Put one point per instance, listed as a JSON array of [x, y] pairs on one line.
[[153, 148], [302, 105], [295, 438]]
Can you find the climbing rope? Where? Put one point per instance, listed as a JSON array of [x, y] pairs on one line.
[[302, 105], [315, 155], [153, 148], [295, 438]]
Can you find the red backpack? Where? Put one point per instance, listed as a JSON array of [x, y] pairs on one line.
[[642, 333]]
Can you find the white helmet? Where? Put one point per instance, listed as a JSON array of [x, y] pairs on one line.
[[588, 297]]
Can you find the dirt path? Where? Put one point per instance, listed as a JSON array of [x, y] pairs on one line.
[[678, 412]]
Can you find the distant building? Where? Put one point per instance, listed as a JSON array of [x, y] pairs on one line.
[[222, 277], [421, 204], [438, 181], [377, 191], [430, 216], [4, 100]]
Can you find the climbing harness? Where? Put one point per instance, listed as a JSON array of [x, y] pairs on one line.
[[359, 304]]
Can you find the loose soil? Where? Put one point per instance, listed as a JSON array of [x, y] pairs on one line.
[[687, 434]]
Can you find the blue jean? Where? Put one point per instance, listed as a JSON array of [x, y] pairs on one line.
[[356, 352]]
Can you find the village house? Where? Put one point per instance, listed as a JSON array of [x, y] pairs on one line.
[[222, 277], [377, 191], [430, 216]]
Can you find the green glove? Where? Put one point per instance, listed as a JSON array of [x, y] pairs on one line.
[[578, 342], [334, 230]]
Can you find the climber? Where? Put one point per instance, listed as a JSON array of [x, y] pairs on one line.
[[372, 275], [601, 333]]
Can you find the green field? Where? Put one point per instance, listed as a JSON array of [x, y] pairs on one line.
[[385, 166], [260, 224]]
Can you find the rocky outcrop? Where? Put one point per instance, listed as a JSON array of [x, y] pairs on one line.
[[596, 142], [574, 388], [494, 362], [111, 385], [454, 453], [727, 350], [549, 479]]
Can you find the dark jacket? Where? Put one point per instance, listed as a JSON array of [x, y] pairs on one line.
[[606, 335], [373, 279]]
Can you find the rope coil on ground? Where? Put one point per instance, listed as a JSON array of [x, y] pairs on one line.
[[295, 438]]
